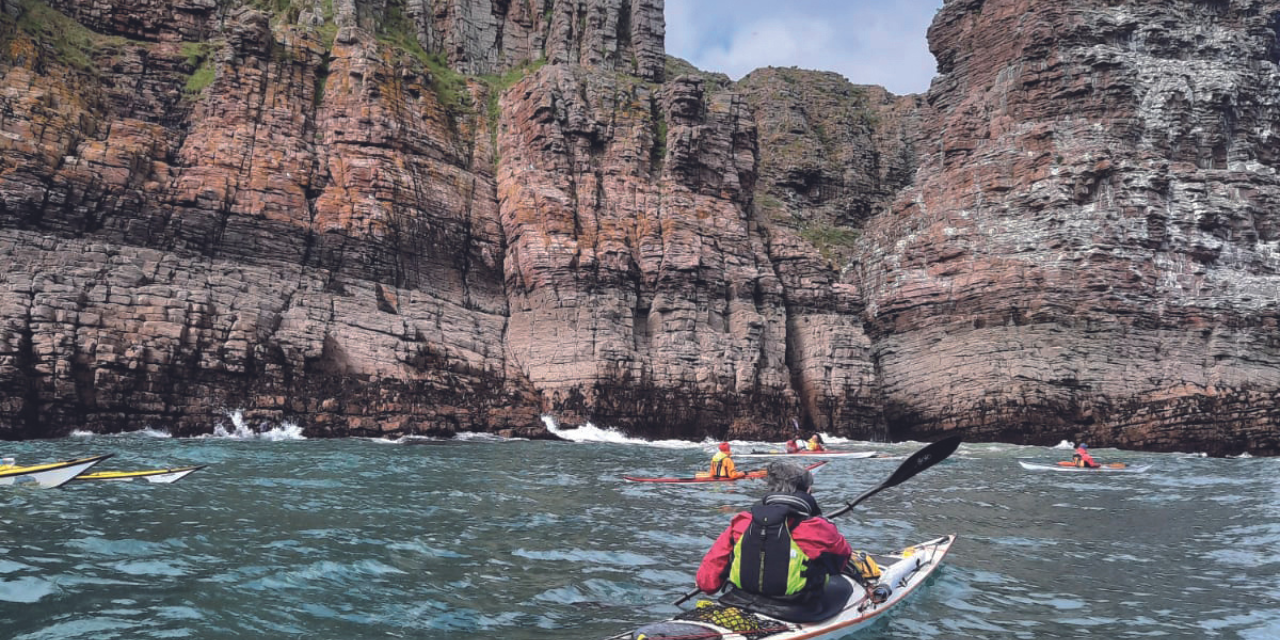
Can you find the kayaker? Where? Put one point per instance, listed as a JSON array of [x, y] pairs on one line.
[[815, 443], [792, 447], [1081, 457], [6, 463], [782, 550], [722, 465]]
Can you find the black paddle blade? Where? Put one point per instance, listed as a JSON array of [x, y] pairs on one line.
[[923, 459], [919, 461]]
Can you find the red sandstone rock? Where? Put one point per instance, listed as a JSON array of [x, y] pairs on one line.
[[1069, 237], [1088, 251]]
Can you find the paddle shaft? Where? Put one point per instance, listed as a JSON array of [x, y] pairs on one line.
[[919, 461]]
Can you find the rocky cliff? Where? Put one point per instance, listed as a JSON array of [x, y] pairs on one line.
[[425, 216], [1090, 247]]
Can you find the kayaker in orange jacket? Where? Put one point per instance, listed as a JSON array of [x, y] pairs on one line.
[[722, 465]]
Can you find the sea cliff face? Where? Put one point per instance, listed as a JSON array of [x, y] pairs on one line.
[[415, 216], [1090, 246]]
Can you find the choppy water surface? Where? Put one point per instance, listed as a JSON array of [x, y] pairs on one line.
[[514, 540]]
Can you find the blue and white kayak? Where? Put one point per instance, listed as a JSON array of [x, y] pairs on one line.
[[901, 574], [53, 474]]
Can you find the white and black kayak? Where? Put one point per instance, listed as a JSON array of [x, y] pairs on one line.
[[852, 605], [156, 476], [807, 454], [53, 474], [1114, 467]]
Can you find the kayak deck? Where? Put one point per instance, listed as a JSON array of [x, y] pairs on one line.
[[156, 476], [811, 454], [50, 475], [1033, 466], [704, 477], [901, 573]]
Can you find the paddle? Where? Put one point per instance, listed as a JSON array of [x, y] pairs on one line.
[[919, 461]]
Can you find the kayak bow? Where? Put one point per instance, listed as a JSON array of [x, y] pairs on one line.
[[706, 477], [53, 474], [156, 476]]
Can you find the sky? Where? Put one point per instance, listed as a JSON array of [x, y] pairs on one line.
[[867, 41]]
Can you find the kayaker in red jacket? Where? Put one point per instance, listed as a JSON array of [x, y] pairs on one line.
[[1082, 458], [770, 569]]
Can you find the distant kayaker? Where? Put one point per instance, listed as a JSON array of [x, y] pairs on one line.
[[1081, 457], [722, 465], [756, 552], [815, 443], [792, 447]]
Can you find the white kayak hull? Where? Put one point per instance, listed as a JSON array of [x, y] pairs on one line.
[[48, 476], [809, 454], [154, 476], [902, 572], [1033, 466]]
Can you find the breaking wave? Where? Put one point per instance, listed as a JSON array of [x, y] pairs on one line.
[[145, 432], [239, 430], [591, 433]]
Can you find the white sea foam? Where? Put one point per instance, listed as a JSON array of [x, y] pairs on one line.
[[406, 439], [591, 433], [471, 436], [147, 432], [241, 431]]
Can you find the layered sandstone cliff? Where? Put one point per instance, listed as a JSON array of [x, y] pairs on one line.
[[1090, 248], [305, 211]]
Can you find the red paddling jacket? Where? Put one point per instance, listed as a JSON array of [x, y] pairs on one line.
[[825, 550]]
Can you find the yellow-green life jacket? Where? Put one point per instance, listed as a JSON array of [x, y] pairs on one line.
[[766, 560]]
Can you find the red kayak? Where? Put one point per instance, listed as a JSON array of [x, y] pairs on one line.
[[703, 476]]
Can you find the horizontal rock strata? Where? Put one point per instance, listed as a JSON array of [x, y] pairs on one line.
[[1090, 250], [426, 216]]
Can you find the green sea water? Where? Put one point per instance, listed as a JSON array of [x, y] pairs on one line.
[[283, 537]]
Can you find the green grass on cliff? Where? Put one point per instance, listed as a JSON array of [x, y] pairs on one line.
[[834, 243], [200, 57], [498, 84], [70, 42], [399, 33], [289, 11], [285, 10]]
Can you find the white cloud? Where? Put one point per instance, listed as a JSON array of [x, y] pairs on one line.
[[868, 41], [771, 43]]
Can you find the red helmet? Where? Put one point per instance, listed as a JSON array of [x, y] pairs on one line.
[[724, 446]]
